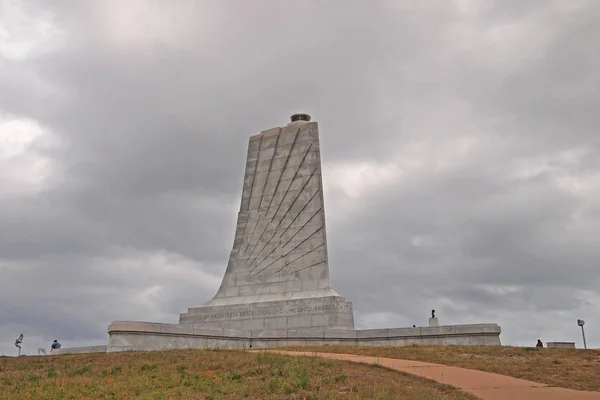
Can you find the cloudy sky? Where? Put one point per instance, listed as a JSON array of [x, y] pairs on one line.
[[460, 146]]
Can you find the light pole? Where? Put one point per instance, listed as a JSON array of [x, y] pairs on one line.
[[581, 323]]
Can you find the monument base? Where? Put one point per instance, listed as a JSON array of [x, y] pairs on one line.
[[331, 312], [146, 336]]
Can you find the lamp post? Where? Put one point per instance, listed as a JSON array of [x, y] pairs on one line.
[[580, 323]]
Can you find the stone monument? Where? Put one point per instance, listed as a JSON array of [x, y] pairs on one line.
[[278, 272], [276, 290]]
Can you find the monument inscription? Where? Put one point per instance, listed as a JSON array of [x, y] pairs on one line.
[[266, 313]]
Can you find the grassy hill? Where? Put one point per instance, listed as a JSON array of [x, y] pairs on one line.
[[568, 368], [214, 374], [206, 374]]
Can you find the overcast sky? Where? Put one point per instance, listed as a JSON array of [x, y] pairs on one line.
[[460, 147]]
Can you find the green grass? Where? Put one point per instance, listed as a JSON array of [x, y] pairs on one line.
[[207, 374]]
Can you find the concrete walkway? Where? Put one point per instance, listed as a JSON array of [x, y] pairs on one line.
[[485, 385]]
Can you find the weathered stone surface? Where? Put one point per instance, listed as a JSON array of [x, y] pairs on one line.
[[326, 312], [371, 333], [337, 334], [278, 272], [143, 337], [560, 345], [399, 332], [81, 350]]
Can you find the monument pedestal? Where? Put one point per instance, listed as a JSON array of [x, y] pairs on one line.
[[331, 312], [433, 322]]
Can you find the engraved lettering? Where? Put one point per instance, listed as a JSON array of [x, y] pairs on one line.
[[340, 307]]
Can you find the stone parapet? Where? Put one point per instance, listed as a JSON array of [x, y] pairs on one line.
[[560, 345], [81, 350], [127, 335]]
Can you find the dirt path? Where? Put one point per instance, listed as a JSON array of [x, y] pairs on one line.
[[484, 385]]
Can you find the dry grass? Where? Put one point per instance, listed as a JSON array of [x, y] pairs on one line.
[[568, 368], [205, 374]]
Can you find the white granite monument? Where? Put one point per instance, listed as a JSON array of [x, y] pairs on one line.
[[276, 290], [278, 272]]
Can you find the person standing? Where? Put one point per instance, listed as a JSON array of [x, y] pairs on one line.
[[539, 344], [55, 345]]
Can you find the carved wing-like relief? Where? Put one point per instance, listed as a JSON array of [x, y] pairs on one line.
[[284, 231]]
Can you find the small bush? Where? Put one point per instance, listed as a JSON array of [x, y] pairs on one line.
[[235, 376], [84, 369], [148, 367], [301, 380], [116, 370], [51, 373], [158, 396], [273, 385]]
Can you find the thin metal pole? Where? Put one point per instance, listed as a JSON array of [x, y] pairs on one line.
[[583, 334]]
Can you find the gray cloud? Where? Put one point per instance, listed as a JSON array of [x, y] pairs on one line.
[[460, 157]]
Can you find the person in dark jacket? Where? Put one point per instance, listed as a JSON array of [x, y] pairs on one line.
[[55, 345], [539, 343]]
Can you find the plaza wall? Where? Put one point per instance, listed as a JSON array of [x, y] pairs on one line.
[[143, 336], [82, 350]]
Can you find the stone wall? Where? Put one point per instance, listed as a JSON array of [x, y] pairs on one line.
[[81, 350], [560, 345], [141, 336]]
